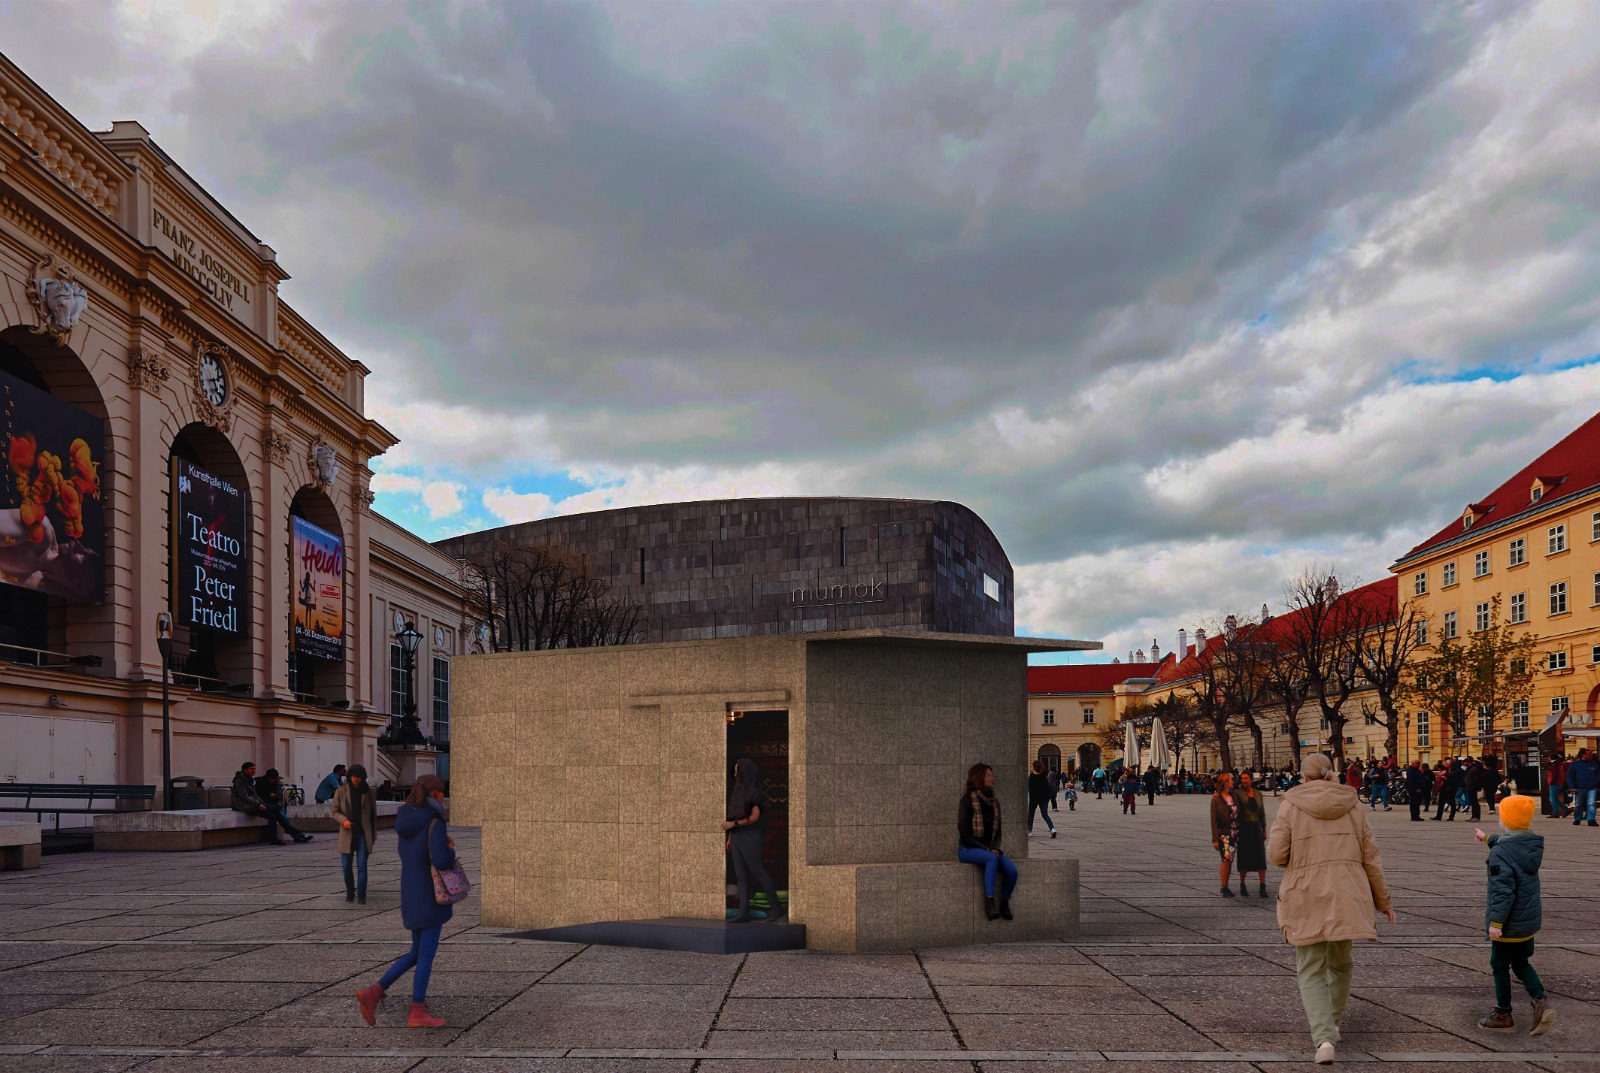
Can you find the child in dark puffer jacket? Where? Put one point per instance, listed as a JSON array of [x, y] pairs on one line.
[[1514, 914]]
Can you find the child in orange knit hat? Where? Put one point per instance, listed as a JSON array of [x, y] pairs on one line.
[[1514, 914]]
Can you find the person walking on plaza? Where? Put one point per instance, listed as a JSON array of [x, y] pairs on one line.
[[1152, 783], [1053, 777], [1449, 789], [330, 784], [1472, 782], [355, 809], [1380, 787], [1069, 790], [1427, 787], [423, 844], [1583, 775], [1251, 854], [1099, 783], [1514, 913], [978, 834], [1556, 779], [1415, 781], [1039, 797], [1225, 826], [746, 838], [1130, 793], [247, 799], [1333, 880]]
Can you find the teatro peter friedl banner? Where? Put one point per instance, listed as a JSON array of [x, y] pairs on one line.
[[209, 550], [52, 525]]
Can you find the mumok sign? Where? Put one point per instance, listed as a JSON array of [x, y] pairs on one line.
[[841, 593]]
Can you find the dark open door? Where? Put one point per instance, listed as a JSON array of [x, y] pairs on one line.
[[764, 738]]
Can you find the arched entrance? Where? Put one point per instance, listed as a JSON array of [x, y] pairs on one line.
[[55, 499], [318, 573], [1050, 753], [212, 560], [1088, 756]]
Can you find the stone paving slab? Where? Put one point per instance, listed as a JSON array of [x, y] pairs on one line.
[[248, 957]]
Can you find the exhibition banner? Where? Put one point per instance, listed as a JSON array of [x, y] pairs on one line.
[[52, 525], [317, 567], [210, 553]]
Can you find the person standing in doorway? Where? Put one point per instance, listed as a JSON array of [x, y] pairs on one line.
[[1333, 880], [355, 810], [424, 843], [1251, 855], [1039, 797], [1225, 826], [746, 837]]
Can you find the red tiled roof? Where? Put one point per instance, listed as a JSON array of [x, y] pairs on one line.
[[1084, 677], [1574, 463]]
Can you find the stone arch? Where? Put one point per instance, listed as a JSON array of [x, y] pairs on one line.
[[1050, 753], [58, 602], [218, 659], [311, 675], [1088, 756]]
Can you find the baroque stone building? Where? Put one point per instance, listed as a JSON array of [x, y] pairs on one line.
[[752, 567]]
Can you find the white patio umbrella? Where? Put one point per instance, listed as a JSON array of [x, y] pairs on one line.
[[1160, 751], [1130, 750]]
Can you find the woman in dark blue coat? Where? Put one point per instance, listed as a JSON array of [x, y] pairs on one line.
[[425, 844]]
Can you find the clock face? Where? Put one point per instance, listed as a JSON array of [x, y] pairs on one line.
[[213, 379]]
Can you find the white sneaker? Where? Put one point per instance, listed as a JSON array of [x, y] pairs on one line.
[[1325, 1055]]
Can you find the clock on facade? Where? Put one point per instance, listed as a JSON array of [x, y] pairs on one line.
[[213, 379]]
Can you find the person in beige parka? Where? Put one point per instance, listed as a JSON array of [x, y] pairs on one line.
[[1332, 883], [355, 809]]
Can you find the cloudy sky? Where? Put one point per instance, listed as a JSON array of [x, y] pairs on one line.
[[1179, 297]]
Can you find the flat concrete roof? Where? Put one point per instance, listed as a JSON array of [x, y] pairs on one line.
[[904, 636]]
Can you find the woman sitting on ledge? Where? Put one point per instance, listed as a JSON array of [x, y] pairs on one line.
[[978, 827]]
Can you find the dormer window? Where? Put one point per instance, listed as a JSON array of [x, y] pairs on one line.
[[1538, 493], [1542, 485], [1467, 518]]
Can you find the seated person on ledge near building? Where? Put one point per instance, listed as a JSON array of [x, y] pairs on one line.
[[978, 828], [330, 785], [247, 799]]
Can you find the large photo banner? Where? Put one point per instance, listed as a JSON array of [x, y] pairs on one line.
[[317, 566], [210, 553], [52, 525]]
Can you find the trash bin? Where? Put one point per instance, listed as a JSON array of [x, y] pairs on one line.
[[188, 791]]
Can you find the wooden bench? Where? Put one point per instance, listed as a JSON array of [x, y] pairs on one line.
[[20, 845], [41, 797], [176, 831]]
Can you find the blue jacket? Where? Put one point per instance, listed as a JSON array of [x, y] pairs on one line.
[[421, 832], [327, 788], [1584, 774], [1514, 903]]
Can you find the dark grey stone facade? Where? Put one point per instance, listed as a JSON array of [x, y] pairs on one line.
[[749, 567]]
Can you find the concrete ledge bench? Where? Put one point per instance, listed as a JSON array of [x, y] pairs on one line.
[[179, 830], [316, 817], [920, 904], [20, 845]]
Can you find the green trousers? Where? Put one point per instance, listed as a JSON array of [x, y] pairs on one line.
[[1324, 971], [1508, 958]]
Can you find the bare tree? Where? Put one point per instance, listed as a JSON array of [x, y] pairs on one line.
[[1285, 693], [1204, 695], [543, 597], [1439, 683], [1242, 661], [1316, 638], [1385, 636]]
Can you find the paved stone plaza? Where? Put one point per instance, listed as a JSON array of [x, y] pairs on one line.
[[248, 959]]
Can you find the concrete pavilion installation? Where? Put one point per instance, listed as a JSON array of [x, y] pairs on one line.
[[599, 778]]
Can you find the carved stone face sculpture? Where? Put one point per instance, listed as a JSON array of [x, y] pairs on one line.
[[325, 463], [65, 299]]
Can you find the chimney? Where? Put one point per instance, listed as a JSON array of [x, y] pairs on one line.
[[1114, 659], [1266, 614], [1183, 644], [1331, 588], [1155, 651], [1199, 640], [1230, 627], [1130, 655], [1140, 654]]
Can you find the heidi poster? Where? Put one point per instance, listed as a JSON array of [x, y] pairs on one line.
[[317, 568]]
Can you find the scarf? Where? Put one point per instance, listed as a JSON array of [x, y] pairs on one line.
[[357, 791], [978, 830]]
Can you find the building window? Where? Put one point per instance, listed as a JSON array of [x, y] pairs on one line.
[[1519, 666], [1594, 526], [1480, 616], [1538, 494], [1450, 630], [1088, 715], [1449, 571], [1518, 553], [1556, 661], [1558, 705], [1480, 563], [1422, 631], [1049, 717], [1557, 539], [1419, 583], [1519, 607], [1558, 598], [843, 558], [441, 699], [1594, 654], [1597, 588], [1519, 715], [1371, 718], [1485, 722], [1324, 722], [397, 680], [1424, 732], [991, 588]]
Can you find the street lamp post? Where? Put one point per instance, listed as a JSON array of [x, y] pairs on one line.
[[410, 729], [164, 643], [1405, 745]]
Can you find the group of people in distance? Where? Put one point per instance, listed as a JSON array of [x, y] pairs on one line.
[[1333, 882]]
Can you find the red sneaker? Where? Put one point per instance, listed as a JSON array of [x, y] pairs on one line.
[[421, 1018], [369, 997]]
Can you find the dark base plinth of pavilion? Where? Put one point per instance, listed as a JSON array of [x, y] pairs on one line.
[[679, 933]]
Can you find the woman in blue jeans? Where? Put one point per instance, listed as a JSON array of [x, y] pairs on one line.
[[425, 844], [978, 827]]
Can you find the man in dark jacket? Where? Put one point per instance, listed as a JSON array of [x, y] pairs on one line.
[[1152, 783], [1583, 775], [1447, 793], [1414, 789], [246, 799], [1472, 782]]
